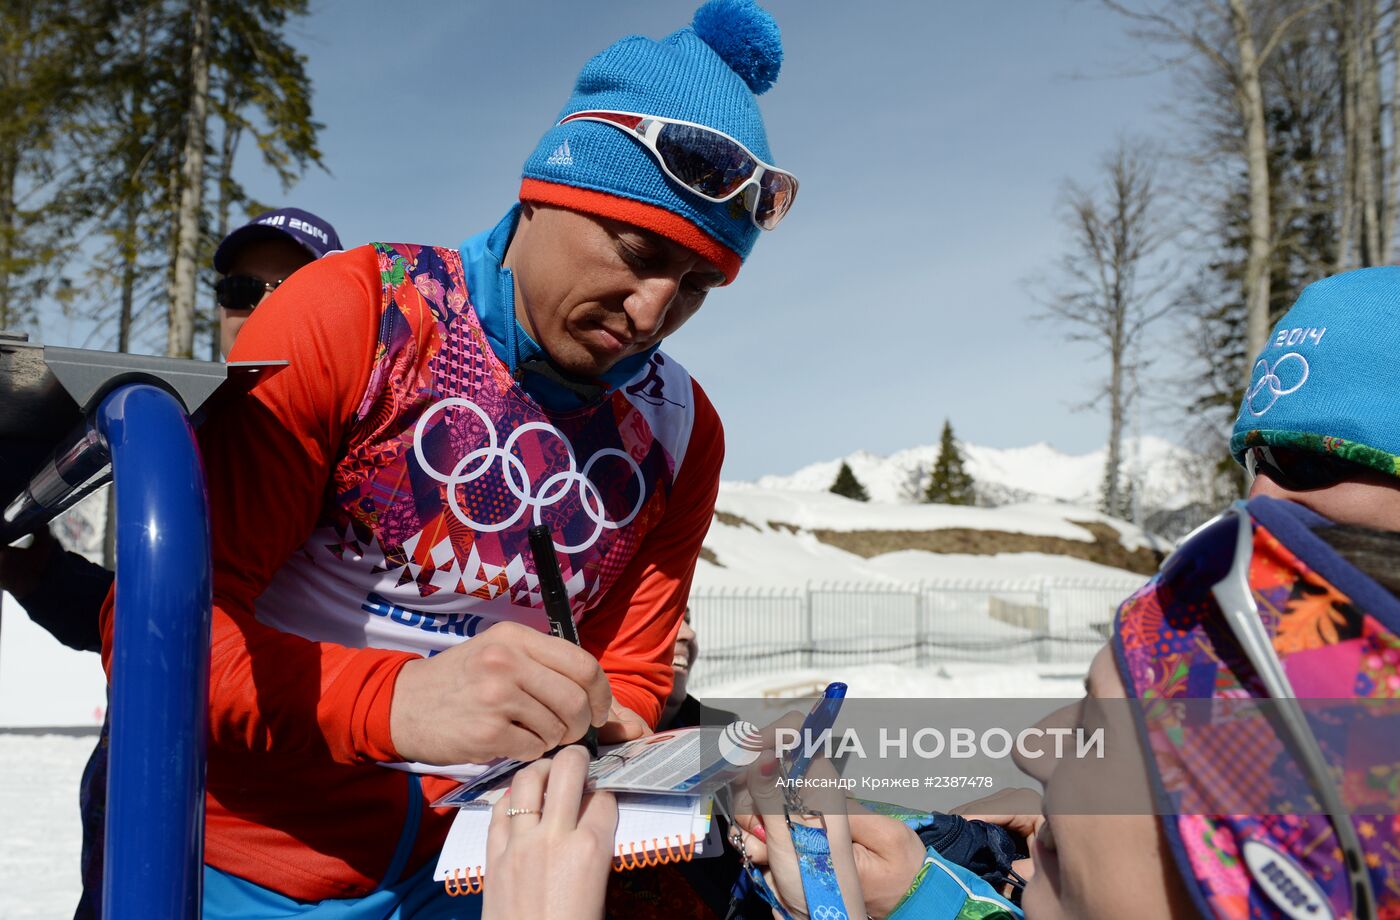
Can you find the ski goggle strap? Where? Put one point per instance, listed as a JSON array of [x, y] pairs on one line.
[[707, 162]]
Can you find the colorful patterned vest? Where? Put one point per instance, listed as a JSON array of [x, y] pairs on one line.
[[421, 543], [1337, 634]]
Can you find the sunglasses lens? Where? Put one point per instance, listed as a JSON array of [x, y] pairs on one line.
[[704, 161], [778, 192], [239, 292], [1300, 470]]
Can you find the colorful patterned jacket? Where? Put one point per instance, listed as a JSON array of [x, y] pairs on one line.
[[369, 504], [1336, 632]]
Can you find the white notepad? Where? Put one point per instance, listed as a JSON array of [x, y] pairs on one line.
[[651, 830]]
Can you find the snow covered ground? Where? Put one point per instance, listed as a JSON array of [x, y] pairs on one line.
[[915, 565], [765, 537], [962, 680], [42, 682], [821, 510], [40, 835]]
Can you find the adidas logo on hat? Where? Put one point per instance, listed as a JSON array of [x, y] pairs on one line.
[[561, 156]]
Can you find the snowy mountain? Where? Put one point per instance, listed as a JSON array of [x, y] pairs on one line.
[[1037, 517], [1170, 475], [765, 537]]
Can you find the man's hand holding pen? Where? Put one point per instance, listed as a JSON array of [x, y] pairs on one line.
[[511, 692]]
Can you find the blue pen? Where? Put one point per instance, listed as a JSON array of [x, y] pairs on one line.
[[819, 720]]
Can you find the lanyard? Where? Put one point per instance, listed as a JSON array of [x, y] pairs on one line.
[[818, 873]]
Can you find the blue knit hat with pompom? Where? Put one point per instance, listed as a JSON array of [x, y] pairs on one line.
[[708, 73]]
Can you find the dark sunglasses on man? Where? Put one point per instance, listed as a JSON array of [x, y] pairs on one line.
[[242, 292], [1300, 470]]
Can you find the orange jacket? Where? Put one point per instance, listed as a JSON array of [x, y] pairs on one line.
[[340, 551]]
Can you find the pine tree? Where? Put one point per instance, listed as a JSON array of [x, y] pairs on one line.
[[259, 89], [848, 485], [950, 483], [39, 79], [133, 137], [1113, 497]]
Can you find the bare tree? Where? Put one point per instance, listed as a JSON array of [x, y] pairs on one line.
[[1392, 159], [1368, 206], [1308, 176], [1111, 283], [180, 338], [1236, 38]]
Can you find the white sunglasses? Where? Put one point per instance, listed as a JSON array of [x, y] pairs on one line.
[[707, 162]]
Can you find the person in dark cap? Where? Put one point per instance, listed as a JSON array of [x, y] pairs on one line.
[[257, 257], [62, 590]]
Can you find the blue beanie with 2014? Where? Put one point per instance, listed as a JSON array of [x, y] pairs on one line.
[[1328, 380], [707, 73]]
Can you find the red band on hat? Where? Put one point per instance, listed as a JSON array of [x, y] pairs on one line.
[[639, 214]]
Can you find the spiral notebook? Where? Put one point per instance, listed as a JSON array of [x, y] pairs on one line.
[[652, 830]]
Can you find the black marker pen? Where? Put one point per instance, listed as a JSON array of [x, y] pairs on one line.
[[556, 604]]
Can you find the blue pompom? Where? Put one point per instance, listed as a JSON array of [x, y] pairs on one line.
[[745, 36]]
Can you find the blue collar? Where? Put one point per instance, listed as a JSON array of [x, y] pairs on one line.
[[492, 290]]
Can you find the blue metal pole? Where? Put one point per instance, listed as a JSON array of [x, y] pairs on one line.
[[160, 664]]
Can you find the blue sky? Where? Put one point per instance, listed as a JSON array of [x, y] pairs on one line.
[[931, 139]]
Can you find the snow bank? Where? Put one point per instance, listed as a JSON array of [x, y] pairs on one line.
[[43, 682], [764, 537], [39, 850], [961, 680]]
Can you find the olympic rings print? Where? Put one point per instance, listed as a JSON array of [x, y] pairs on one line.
[[517, 476], [1273, 384]]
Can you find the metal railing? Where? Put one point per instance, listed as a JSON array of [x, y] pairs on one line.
[[160, 659], [744, 631], [66, 416]]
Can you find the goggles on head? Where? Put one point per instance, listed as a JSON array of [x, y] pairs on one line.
[[707, 162]]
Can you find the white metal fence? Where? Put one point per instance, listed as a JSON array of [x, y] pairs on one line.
[[746, 631]]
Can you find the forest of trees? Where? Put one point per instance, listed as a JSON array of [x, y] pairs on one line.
[[1283, 169], [120, 125]]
